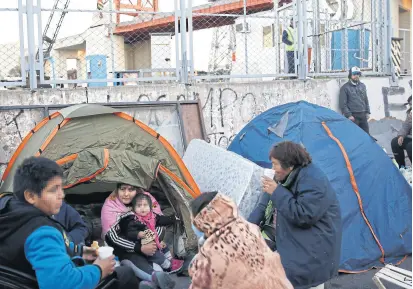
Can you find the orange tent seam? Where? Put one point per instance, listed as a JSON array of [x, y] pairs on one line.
[[178, 181], [355, 188], [25, 141], [67, 159], [88, 178], [51, 136], [188, 177]]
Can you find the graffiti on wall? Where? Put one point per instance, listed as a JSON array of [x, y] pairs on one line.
[[226, 108]]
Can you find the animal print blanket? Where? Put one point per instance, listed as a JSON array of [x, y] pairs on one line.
[[234, 255]]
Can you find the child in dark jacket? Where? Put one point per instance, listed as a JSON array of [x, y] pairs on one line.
[[140, 225]]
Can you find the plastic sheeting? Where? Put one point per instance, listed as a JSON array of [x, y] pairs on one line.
[[215, 169]]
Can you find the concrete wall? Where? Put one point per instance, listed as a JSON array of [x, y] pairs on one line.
[[226, 107]]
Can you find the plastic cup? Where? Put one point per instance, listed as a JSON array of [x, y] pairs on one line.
[[269, 173], [105, 252]]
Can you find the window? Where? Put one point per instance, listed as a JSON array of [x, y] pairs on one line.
[[267, 36]]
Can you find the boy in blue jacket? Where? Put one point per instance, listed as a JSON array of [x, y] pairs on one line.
[[34, 243]]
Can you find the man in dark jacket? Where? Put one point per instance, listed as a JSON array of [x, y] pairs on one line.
[[72, 222], [354, 103], [307, 217]]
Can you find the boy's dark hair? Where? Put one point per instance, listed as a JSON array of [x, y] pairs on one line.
[[290, 154], [201, 202], [139, 197], [33, 175]]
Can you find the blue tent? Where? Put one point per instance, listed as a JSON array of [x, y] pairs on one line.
[[385, 227]]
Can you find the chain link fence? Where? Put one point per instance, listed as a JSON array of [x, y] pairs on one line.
[[12, 52], [345, 34], [69, 43]]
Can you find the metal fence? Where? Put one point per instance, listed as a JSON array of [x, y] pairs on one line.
[[127, 42]]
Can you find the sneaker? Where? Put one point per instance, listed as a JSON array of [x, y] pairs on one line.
[[147, 285], [176, 266], [163, 280]]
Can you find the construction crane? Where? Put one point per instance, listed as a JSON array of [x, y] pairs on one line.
[[139, 5], [223, 47], [54, 23]]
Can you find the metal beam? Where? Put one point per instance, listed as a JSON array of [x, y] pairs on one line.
[[113, 104]]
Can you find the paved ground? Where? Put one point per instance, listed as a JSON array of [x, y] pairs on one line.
[[344, 281]]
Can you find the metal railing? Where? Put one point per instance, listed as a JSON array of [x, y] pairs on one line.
[[406, 60], [123, 43]]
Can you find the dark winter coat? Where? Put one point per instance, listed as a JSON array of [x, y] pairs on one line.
[[353, 99], [131, 227], [125, 227], [406, 130], [308, 226], [71, 220]]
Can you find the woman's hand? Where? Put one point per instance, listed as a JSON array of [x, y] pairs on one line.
[[141, 235], [400, 140], [89, 254], [268, 185], [149, 249]]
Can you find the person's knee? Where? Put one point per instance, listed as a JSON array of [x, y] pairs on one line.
[[394, 143], [126, 278], [125, 273], [408, 147]]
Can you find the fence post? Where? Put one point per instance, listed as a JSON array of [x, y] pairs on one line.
[[184, 58], [191, 39], [31, 44], [316, 44], [177, 48], [388, 34], [302, 56], [112, 48], [276, 36], [245, 37]]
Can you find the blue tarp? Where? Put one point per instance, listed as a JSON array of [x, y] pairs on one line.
[[386, 196]]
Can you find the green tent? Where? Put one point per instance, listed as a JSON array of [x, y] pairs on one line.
[[98, 147]]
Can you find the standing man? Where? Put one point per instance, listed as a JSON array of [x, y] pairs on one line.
[[354, 103], [288, 40]]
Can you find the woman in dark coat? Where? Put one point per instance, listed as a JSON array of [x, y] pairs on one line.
[[306, 213]]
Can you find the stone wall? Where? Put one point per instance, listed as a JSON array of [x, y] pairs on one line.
[[226, 107]]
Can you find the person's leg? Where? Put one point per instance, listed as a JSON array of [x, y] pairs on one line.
[[126, 279], [138, 272], [167, 253], [398, 152], [160, 279], [160, 259], [407, 145], [362, 122], [139, 261], [291, 61]]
